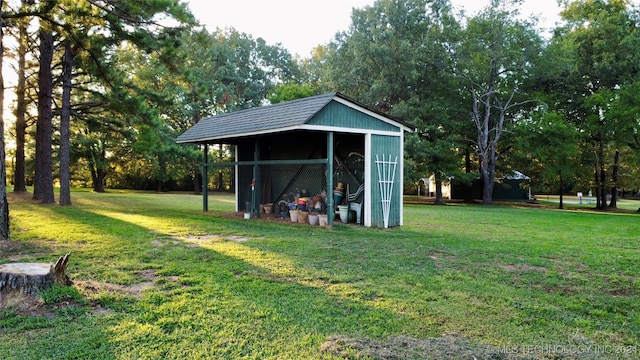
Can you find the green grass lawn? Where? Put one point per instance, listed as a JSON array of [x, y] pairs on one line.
[[155, 278]]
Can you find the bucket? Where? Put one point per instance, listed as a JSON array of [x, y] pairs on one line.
[[344, 213], [323, 219], [337, 197], [313, 219], [294, 215], [303, 217], [247, 215]]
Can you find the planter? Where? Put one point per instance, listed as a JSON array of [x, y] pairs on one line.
[[313, 219], [294, 215], [337, 197], [247, 215], [323, 219], [284, 214], [303, 217], [344, 213], [268, 208]]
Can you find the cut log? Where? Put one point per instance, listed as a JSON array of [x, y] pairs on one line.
[[31, 278]]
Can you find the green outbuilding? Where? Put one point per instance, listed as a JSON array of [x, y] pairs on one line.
[[311, 148]]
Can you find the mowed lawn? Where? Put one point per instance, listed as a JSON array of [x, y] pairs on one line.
[[156, 278]]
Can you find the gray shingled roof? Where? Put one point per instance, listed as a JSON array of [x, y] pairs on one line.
[[256, 120]]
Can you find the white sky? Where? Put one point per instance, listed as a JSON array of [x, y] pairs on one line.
[[300, 25]]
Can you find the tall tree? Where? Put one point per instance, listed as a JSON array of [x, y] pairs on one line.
[[547, 150], [65, 118], [212, 73], [395, 57], [43, 181], [604, 36], [496, 54], [19, 182], [4, 203]]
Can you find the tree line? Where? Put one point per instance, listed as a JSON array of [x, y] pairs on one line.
[[104, 87]]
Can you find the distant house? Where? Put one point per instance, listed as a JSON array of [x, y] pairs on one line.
[[430, 187], [510, 187], [311, 145]]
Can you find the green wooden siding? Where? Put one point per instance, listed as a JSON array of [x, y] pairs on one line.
[[389, 146], [339, 115]]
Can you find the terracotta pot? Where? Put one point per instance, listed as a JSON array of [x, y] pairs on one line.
[[268, 208]]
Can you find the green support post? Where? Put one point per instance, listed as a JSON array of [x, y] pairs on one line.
[[205, 180], [330, 210]]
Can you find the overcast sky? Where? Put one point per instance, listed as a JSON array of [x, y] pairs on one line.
[[300, 25]]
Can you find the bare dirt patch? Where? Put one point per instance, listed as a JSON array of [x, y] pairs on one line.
[[23, 304], [440, 257], [20, 196], [404, 347], [19, 304], [199, 240], [91, 287]]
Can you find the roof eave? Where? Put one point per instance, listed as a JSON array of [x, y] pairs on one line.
[[238, 135]]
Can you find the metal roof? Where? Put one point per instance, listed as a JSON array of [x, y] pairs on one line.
[[265, 119]]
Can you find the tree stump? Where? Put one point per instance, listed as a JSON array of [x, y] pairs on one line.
[[30, 278]]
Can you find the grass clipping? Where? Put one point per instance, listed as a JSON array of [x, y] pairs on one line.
[[403, 347]]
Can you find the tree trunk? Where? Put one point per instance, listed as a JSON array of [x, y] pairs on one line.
[[488, 175], [603, 189], [561, 206], [4, 203], [439, 198], [467, 165], [98, 174], [43, 184], [486, 144], [614, 179], [597, 181], [19, 183], [31, 278], [65, 119], [98, 180]]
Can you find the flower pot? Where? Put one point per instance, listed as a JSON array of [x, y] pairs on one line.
[[268, 208], [337, 197], [294, 215], [247, 215], [303, 217], [323, 219], [313, 219], [344, 213]]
